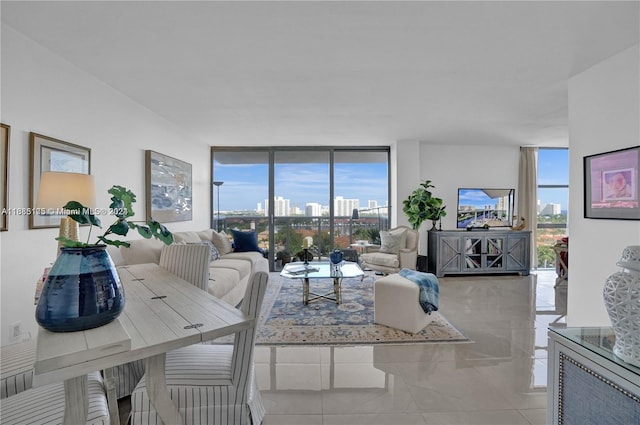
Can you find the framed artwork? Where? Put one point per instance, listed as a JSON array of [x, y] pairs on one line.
[[611, 184], [48, 154], [169, 186], [5, 133]]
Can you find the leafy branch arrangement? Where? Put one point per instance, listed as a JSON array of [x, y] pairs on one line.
[[421, 205], [121, 206]]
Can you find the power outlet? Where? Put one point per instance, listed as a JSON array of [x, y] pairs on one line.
[[15, 331]]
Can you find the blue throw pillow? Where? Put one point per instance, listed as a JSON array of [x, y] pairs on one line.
[[245, 241]]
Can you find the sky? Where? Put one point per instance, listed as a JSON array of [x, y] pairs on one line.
[[246, 185], [553, 168]]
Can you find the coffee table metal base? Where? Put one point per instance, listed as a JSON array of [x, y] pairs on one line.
[[308, 296]]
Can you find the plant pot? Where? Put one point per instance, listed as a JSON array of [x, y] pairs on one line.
[[82, 291], [622, 300]]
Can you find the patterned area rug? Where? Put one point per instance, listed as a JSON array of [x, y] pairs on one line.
[[285, 320]]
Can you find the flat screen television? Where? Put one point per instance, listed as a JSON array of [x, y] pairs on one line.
[[477, 207]]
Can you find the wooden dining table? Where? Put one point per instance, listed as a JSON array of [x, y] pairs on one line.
[[162, 313]]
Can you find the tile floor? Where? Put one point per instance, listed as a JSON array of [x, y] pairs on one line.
[[500, 378]]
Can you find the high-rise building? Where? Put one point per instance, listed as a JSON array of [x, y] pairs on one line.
[[551, 209], [312, 209], [344, 207], [280, 207]]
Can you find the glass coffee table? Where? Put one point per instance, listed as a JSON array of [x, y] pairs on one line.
[[321, 270]]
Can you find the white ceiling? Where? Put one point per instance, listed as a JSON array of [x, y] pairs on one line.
[[491, 72]]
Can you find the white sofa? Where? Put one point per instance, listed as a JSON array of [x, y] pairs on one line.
[[228, 275]]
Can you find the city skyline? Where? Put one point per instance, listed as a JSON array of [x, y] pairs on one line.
[[300, 183], [246, 185]]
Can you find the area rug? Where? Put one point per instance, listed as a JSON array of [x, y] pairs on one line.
[[285, 320]]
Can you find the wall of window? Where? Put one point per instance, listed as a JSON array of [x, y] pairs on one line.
[[287, 194], [553, 202]]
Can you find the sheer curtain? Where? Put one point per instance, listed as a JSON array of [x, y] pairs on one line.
[[528, 195]]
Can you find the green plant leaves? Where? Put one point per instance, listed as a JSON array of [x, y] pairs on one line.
[[81, 214], [121, 207], [421, 205], [70, 243], [120, 227], [122, 201]]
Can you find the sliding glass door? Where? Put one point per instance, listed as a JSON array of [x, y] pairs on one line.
[[240, 185], [301, 194], [288, 194]]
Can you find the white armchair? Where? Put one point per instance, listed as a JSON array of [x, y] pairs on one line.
[[398, 249]]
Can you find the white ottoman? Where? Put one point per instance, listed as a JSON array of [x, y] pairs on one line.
[[396, 304]]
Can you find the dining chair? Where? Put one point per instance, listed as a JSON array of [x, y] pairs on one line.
[[16, 367], [213, 384], [187, 261], [45, 405]]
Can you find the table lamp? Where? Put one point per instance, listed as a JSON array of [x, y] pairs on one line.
[[57, 188]]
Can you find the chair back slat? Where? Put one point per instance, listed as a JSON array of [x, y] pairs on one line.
[[187, 261]]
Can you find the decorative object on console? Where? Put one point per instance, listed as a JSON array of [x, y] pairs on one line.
[[519, 224], [5, 132], [421, 205], [169, 196], [622, 299], [612, 184], [83, 289]]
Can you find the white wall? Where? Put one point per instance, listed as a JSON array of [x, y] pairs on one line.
[[604, 115], [44, 94], [450, 167], [405, 176]]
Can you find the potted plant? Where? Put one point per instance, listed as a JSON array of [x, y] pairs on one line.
[[83, 290], [421, 205]]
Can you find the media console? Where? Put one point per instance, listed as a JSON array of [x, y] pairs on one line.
[[478, 252]]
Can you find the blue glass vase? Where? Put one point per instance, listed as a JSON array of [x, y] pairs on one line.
[[82, 291], [336, 256]]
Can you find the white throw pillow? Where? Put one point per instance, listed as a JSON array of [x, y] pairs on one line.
[[393, 241], [222, 242]]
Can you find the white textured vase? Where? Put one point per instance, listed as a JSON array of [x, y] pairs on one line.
[[622, 300]]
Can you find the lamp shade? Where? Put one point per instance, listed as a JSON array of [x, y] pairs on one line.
[[57, 188]]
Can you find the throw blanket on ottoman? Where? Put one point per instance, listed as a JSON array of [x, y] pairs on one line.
[[429, 290]]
